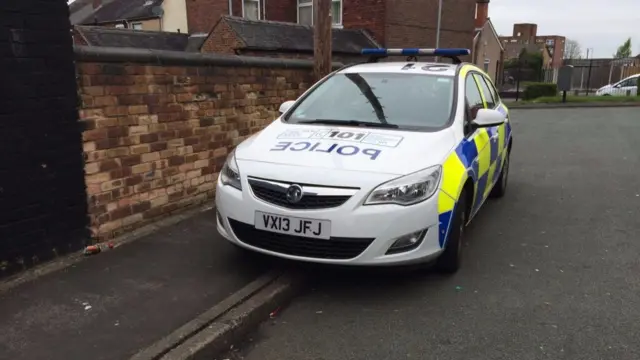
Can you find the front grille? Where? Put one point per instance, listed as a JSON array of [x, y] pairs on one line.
[[336, 248], [277, 196]]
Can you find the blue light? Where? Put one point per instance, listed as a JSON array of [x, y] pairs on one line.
[[374, 52], [451, 52], [417, 51], [409, 52]]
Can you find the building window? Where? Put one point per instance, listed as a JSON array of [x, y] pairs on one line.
[[136, 26], [486, 65], [519, 34], [251, 9], [305, 12], [119, 26]]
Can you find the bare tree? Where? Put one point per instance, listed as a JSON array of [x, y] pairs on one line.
[[572, 49]]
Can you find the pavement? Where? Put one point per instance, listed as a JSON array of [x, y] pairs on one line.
[[113, 304], [551, 270]]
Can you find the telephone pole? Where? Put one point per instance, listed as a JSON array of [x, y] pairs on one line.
[[321, 38]]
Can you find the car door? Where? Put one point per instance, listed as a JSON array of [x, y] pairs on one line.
[[630, 87], [496, 133], [627, 87], [480, 136]]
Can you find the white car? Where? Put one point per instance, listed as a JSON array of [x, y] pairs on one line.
[[379, 163], [625, 87]]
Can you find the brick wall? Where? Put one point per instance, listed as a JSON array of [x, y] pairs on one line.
[[43, 210], [203, 14], [414, 24], [342, 58], [157, 135], [222, 40], [398, 23], [282, 10], [366, 14]]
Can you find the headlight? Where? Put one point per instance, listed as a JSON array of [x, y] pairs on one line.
[[407, 190], [230, 174]]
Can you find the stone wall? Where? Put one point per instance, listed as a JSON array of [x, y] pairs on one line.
[[159, 125], [43, 212]]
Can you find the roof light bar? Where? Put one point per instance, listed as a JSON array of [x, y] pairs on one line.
[[452, 53], [416, 51]]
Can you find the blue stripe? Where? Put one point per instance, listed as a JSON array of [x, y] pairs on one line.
[[445, 224], [467, 151], [494, 148], [482, 185], [498, 168]]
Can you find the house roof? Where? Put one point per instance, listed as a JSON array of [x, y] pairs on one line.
[[118, 10], [493, 31], [81, 10], [110, 37], [274, 36]]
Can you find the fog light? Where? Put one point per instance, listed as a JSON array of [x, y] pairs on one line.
[[407, 242]]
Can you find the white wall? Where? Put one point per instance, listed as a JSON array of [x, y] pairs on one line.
[[175, 16]]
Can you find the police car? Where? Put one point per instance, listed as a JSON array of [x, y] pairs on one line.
[[379, 163]]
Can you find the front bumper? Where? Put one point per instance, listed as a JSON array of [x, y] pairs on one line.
[[360, 235]]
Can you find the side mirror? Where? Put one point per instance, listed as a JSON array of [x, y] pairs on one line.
[[286, 106], [616, 85], [488, 118]]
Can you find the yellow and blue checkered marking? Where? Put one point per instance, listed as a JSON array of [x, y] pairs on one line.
[[460, 166]]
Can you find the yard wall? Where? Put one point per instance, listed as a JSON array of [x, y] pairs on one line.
[[159, 125]]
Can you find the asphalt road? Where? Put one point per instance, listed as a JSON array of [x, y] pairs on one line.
[[551, 271]]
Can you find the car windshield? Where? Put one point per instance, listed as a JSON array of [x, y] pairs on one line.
[[405, 101]]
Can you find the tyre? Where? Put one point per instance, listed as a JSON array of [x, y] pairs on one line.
[[451, 258], [500, 188]]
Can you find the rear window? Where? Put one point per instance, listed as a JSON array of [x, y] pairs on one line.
[[408, 100]]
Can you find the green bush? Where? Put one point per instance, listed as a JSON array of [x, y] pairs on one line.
[[536, 90]]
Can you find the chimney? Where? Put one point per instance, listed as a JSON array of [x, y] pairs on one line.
[[482, 13], [97, 4]]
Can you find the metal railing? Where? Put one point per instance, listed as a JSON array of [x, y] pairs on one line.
[[589, 76]]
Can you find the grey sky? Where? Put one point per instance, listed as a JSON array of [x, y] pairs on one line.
[[600, 25]]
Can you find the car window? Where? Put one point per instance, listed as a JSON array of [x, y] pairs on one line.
[[408, 100], [492, 88], [630, 82], [474, 99], [488, 96]]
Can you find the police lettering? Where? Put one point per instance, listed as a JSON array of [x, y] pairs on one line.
[[345, 150]]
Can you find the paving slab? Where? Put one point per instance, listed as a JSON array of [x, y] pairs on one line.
[[115, 303]]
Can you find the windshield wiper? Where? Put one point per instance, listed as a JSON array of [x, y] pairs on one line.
[[349, 123]]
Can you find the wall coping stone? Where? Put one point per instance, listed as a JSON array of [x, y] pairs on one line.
[[181, 58]]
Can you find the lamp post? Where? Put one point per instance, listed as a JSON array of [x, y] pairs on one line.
[[438, 26]]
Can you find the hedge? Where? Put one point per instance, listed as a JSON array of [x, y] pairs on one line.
[[536, 90]]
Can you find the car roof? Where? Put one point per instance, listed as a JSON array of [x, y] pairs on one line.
[[404, 67]]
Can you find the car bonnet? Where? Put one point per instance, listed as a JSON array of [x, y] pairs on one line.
[[347, 148]]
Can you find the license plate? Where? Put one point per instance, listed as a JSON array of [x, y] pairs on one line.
[[320, 229]]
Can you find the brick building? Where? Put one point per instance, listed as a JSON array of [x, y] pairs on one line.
[[393, 23], [151, 15], [525, 34]]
